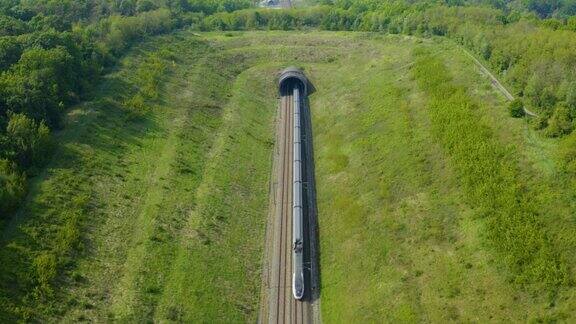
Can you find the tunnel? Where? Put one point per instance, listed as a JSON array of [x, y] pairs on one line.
[[292, 76]]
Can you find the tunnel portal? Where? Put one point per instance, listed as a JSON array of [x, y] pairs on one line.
[[294, 76]]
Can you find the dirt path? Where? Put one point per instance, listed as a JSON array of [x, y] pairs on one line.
[[495, 81]]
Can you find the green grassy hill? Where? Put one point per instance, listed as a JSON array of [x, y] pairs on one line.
[[434, 205]]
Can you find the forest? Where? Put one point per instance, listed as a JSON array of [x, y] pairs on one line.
[[535, 57]]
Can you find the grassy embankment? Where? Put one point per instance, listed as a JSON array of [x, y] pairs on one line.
[[434, 204], [171, 156], [155, 205]]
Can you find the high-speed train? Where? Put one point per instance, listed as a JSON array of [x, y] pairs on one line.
[[297, 231]]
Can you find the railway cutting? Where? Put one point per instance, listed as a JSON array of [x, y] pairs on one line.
[[290, 280]]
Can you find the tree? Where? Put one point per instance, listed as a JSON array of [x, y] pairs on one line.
[[560, 123], [11, 26], [10, 51], [145, 5], [516, 108], [40, 83], [544, 8], [12, 186], [125, 7], [571, 96], [30, 140], [42, 22]]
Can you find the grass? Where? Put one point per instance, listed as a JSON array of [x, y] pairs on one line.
[[155, 204], [137, 172], [489, 173], [230, 206], [407, 233]]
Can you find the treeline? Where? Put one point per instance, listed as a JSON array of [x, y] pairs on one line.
[[546, 8], [52, 53], [538, 62], [560, 9]]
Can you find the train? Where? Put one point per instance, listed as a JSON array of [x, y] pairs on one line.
[[293, 79], [297, 220]]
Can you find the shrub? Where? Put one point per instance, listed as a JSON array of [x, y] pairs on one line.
[[560, 123], [30, 140], [12, 186], [540, 122], [124, 31], [567, 152], [136, 106], [516, 108], [45, 266], [149, 75]]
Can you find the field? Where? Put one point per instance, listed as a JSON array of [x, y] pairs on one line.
[[157, 195], [154, 206], [434, 204]]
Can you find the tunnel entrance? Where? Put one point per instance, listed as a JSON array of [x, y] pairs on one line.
[[291, 77]]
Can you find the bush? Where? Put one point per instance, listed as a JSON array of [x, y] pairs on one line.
[[567, 152], [148, 76], [124, 31], [30, 140], [516, 108], [46, 266], [560, 123], [136, 106], [12, 186]]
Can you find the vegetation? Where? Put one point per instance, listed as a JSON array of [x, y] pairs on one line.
[[534, 57], [156, 172], [53, 53], [434, 205], [512, 222], [516, 108], [160, 180]]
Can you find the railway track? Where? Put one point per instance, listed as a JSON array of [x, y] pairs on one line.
[[290, 279], [283, 307]]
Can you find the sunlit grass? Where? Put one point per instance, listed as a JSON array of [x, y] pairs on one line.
[[160, 214]]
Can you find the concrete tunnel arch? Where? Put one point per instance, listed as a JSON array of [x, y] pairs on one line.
[[293, 75]]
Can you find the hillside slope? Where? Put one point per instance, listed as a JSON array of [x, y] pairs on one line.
[[154, 206], [434, 204]]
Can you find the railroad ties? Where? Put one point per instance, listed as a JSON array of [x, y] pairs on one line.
[[289, 295]]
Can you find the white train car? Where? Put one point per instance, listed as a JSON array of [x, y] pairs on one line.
[[297, 223], [292, 80]]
